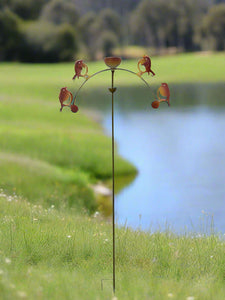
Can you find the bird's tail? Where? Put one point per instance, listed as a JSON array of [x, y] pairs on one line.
[[153, 74]]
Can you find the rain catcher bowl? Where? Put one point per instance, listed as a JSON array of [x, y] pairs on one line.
[[112, 62]]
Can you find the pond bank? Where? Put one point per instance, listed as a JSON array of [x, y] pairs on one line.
[[178, 152]]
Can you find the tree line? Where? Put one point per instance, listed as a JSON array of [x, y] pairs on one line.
[[56, 30]]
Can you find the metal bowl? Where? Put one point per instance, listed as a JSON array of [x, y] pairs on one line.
[[112, 62]]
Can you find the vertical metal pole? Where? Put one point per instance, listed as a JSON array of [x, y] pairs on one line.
[[113, 187]]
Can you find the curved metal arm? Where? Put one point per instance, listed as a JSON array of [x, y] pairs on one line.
[[109, 69], [121, 69], [75, 96]]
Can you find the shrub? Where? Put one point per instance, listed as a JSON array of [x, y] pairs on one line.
[[10, 36], [66, 42], [45, 42]]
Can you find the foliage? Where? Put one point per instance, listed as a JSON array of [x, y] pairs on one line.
[[107, 41], [9, 35], [121, 8], [26, 9], [100, 32], [166, 24], [109, 20], [162, 24], [88, 32], [67, 43], [45, 42], [58, 12], [213, 27]]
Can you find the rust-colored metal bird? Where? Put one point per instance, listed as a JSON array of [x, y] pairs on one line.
[[78, 67], [163, 95], [146, 62], [65, 95]]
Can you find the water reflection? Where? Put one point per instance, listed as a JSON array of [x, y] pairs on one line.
[[179, 153]]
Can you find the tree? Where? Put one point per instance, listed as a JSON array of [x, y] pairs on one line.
[[99, 32], [165, 23], [219, 1], [107, 41], [46, 42], [109, 20], [10, 36], [153, 23], [59, 11], [27, 9], [67, 43], [213, 27], [88, 33], [4, 3], [121, 7]]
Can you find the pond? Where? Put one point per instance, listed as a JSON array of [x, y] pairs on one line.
[[179, 153]]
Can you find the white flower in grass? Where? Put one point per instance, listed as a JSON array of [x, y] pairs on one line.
[[7, 260], [9, 199], [106, 241], [170, 295], [190, 298], [96, 214], [69, 236]]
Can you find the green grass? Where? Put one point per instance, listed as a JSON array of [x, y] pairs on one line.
[[50, 248], [43, 82], [45, 154], [47, 254]]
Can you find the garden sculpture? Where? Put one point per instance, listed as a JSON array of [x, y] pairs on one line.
[[67, 99]]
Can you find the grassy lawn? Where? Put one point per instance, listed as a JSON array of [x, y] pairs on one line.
[[50, 247], [51, 254], [42, 82], [46, 155]]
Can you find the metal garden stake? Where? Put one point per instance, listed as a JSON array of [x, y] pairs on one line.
[[66, 98]]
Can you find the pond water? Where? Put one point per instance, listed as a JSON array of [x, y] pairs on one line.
[[179, 153]]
